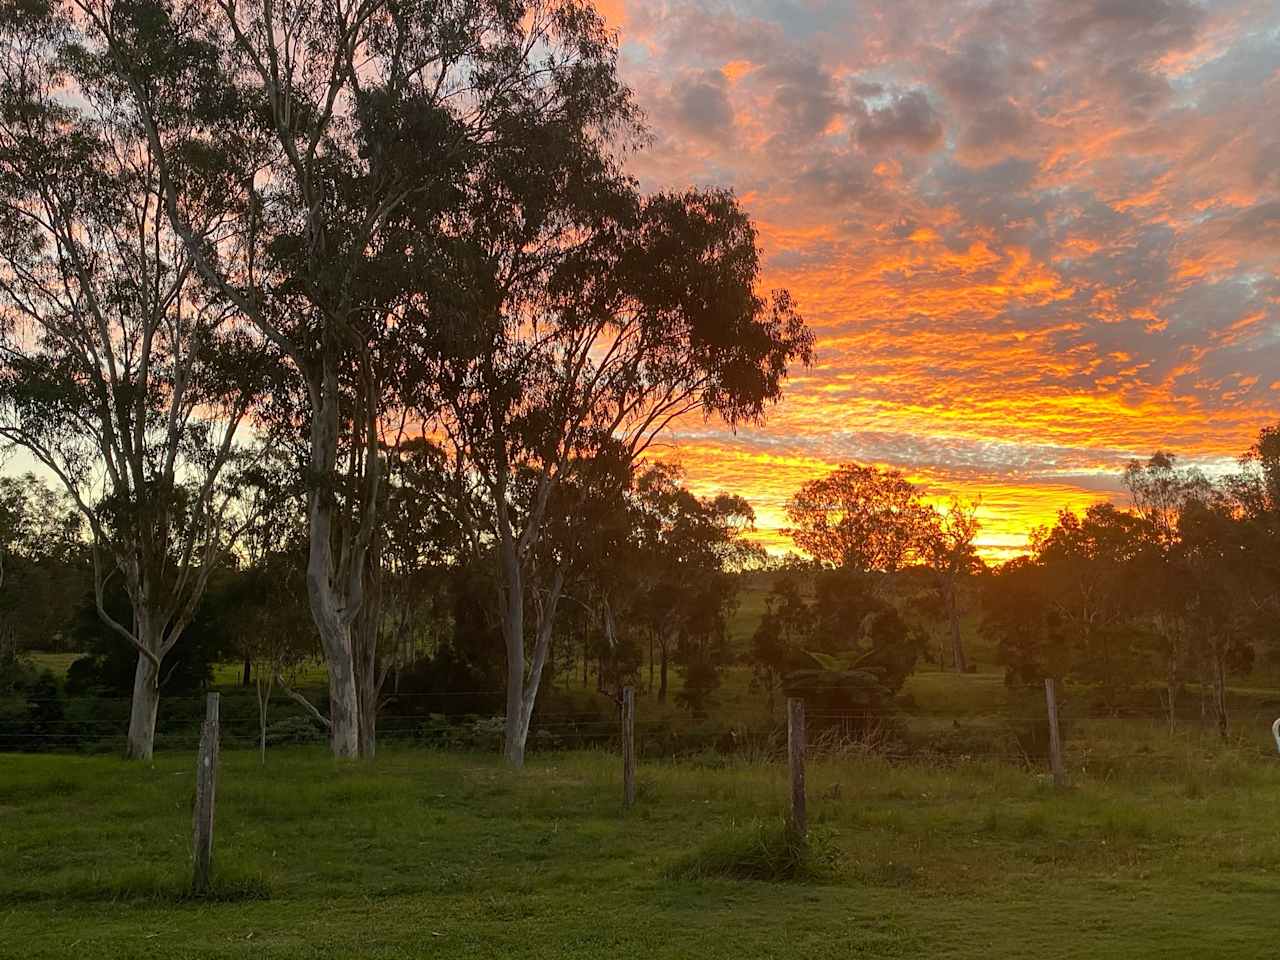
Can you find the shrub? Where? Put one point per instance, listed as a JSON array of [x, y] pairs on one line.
[[763, 850], [294, 730]]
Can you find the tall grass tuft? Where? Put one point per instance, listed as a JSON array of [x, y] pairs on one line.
[[766, 850]]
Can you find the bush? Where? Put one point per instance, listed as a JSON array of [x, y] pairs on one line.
[[764, 850], [481, 734], [294, 730], [31, 707]]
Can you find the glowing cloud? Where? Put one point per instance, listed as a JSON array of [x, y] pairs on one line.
[[1034, 239]]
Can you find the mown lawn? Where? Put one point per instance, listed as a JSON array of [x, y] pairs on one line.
[[1156, 852]]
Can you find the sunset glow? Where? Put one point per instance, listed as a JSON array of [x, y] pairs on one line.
[[1035, 239]]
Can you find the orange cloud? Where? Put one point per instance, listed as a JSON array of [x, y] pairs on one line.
[[1081, 269]]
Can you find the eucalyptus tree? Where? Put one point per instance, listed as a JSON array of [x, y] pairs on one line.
[[414, 543], [335, 136], [120, 373], [601, 317], [1220, 585], [688, 553]]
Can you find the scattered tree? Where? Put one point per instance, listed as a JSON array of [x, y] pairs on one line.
[[952, 560]]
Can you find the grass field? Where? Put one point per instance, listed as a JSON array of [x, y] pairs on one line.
[[1171, 850]]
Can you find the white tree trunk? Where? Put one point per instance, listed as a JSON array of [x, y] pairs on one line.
[[263, 687], [334, 604], [516, 731], [143, 710], [344, 703], [522, 691]]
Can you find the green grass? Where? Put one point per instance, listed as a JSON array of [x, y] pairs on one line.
[[1171, 848]]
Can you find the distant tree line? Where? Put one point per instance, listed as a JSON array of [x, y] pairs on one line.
[[1179, 591], [1183, 587]]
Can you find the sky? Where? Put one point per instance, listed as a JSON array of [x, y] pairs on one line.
[[1034, 238]]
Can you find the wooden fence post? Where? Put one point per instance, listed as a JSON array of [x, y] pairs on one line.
[[795, 759], [206, 790], [1055, 737], [628, 747]]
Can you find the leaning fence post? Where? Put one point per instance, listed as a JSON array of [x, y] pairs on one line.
[[1055, 738], [628, 747], [206, 789], [795, 759]]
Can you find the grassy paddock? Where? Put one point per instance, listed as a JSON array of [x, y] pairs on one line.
[[1173, 853]]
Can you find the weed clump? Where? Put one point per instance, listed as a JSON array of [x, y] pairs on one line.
[[763, 850]]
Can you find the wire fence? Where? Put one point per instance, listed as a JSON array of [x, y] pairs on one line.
[[1015, 733]]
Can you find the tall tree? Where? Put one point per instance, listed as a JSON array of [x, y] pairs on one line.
[[777, 645], [414, 541], [689, 552], [119, 372], [1221, 575], [1160, 492], [1069, 609], [614, 317]]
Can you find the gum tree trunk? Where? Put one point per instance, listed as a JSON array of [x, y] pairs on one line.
[[344, 708], [523, 680], [335, 590], [957, 645], [143, 710]]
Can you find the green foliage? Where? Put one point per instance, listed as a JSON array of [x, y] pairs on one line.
[[847, 651], [31, 706], [109, 661], [1069, 610], [862, 519]]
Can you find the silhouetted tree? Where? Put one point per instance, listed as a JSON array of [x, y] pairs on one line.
[[952, 560], [860, 518]]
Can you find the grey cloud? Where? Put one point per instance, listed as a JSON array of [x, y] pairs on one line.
[[1000, 124], [977, 75], [721, 34], [1144, 28], [700, 103], [805, 96], [909, 121], [1259, 224], [836, 179]]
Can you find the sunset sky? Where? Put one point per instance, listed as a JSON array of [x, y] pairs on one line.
[[1034, 239]]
